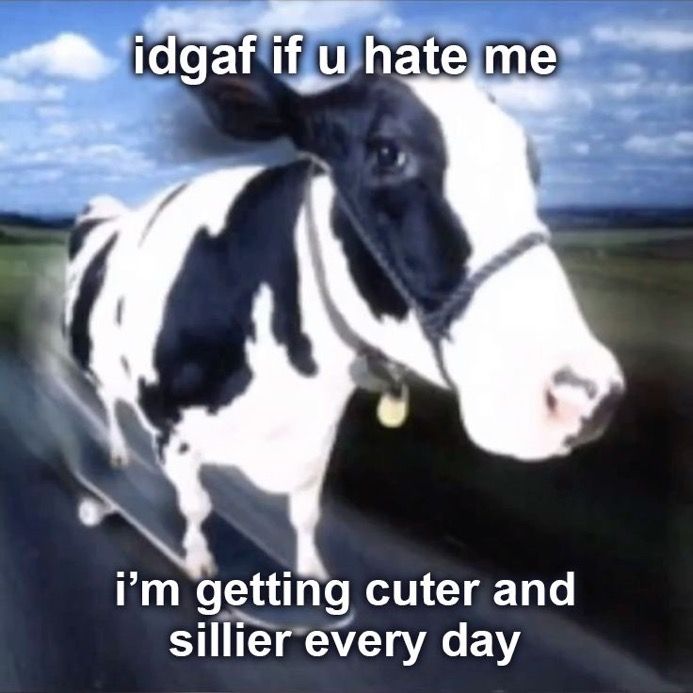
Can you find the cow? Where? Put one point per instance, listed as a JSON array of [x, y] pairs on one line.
[[228, 311]]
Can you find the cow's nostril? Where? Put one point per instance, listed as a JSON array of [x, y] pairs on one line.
[[568, 395], [600, 418], [567, 376]]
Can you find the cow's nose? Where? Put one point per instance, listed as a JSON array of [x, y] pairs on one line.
[[571, 396]]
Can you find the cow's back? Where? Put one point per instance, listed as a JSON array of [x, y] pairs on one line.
[[118, 253], [90, 246], [178, 280]]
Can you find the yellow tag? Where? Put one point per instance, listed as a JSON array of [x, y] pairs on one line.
[[392, 411]]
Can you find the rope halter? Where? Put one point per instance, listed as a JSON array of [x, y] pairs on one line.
[[434, 323]]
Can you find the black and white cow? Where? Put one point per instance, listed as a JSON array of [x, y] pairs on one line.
[[210, 309]]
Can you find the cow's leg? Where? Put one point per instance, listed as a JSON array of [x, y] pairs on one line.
[[304, 497], [304, 513], [118, 447], [182, 467]]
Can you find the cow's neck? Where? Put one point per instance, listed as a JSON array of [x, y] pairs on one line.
[[352, 282]]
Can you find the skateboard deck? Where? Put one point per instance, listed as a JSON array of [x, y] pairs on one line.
[[248, 531]]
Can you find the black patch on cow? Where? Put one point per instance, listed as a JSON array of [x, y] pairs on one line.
[[119, 311], [79, 234], [89, 289], [200, 354], [162, 205], [401, 206], [370, 280], [126, 365], [417, 235]]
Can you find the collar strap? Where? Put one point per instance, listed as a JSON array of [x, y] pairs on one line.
[[435, 323]]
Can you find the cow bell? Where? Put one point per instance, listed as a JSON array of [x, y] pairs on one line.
[[393, 408]]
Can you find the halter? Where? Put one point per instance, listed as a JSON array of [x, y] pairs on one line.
[[435, 323]]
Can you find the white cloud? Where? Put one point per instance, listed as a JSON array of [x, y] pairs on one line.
[[68, 55], [13, 91], [540, 95], [46, 175], [115, 157], [570, 47], [674, 90], [544, 139], [102, 158], [679, 144], [215, 21], [623, 90], [662, 38], [390, 23], [649, 89], [124, 44], [308, 15], [628, 70], [61, 129], [78, 129], [52, 112], [627, 114], [581, 148]]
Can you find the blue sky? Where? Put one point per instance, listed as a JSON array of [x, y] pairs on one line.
[[614, 125]]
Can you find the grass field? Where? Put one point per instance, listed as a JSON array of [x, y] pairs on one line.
[[23, 255], [620, 238], [638, 300]]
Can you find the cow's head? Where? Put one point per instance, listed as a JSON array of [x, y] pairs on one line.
[[444, 180]]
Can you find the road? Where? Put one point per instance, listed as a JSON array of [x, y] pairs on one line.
[[61, 631]]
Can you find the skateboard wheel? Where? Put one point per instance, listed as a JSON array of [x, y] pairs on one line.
[[92, 511]]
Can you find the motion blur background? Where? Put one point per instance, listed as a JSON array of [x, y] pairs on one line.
[[614, 132]]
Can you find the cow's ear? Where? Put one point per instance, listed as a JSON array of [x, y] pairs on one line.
[[257, 106]]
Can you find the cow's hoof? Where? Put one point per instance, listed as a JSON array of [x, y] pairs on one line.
[[119, 459], [313, 568], [200, 564], [92, 511]]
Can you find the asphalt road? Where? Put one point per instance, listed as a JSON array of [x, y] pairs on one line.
[[61, 631]]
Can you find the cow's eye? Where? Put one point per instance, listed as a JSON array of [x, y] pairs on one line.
[[389, 158]]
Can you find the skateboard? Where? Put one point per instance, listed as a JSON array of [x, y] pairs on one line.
[[248, 531]]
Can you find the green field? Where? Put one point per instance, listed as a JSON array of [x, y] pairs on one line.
[[642, 301], [23, 255], [620, 238]]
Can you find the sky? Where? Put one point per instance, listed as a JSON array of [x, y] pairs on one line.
[[613, 125]]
